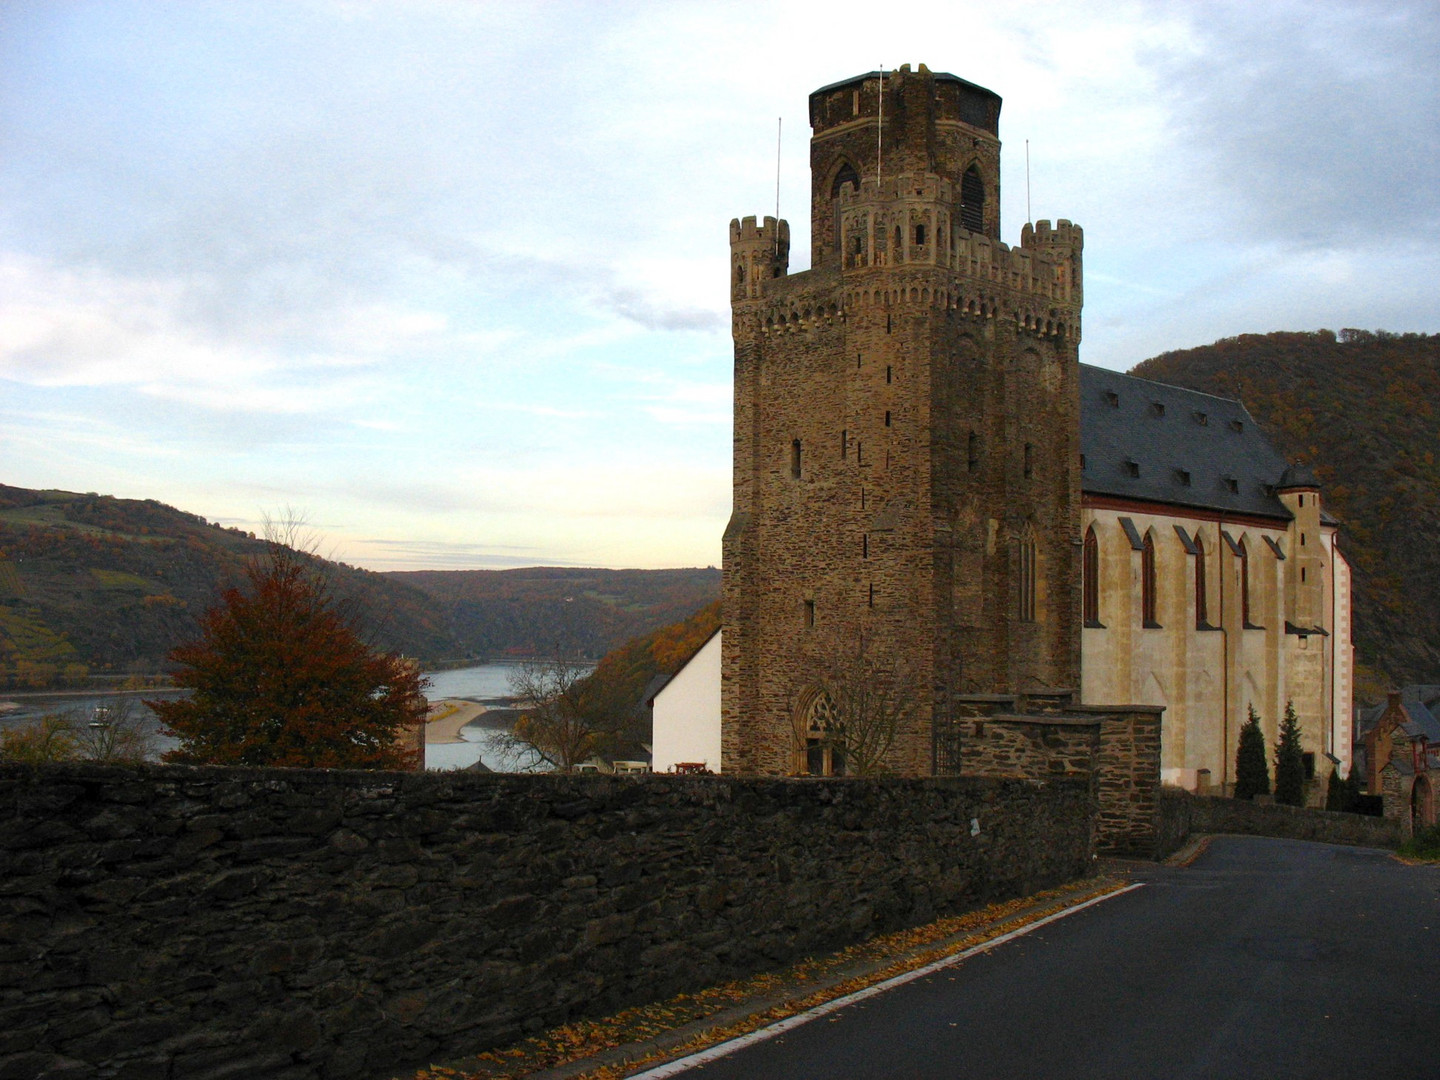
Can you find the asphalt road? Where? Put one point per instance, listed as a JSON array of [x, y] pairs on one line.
[[1266, 958]]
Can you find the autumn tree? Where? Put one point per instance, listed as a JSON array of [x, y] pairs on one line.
[[1289, 761], [562, 721], [280, 676], [1252, 775]]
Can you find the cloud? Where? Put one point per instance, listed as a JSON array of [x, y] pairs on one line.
[[648, 312], [1310, 124]]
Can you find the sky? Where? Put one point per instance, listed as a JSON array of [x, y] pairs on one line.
[[449, 279]]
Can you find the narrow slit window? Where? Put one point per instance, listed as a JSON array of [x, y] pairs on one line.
[[1244, 584], [809, 614], [1029, 460], [1026, 610], [972, 454], [1148, 582], [888, 373], [795, 460], [844, 443], [1202, 608], [1091, 566], [887, 424], [919, 235], [865, 546]]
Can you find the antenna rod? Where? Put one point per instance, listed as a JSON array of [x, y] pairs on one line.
[[1028, 219], [880, 129], [779, 122]]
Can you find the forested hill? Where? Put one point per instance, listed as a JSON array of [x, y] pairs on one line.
[[95, 585], [540, 610], [92, 584], [1363, 409]]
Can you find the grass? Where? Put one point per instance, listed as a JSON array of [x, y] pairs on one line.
[[1425, 844]]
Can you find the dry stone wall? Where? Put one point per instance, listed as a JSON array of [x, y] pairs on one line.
[[1182, 814], [196, 923]]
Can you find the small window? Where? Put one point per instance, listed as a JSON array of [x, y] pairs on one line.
[[899, 239], [1201, 419], [1183, 476], [887, 417], [865, 546], [1112, 399], [870, 602], [887, 368], [809, 614], [1302, 575], [795, 460], [1302, 539], [1237, 425], [1132, 469], [1308, 759], [1232, 485], [1029, 461], [972, 458], [844, 443], [919, 235], [1302, 500], [1158, 408]]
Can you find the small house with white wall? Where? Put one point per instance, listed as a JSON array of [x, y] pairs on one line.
[[687, 712]]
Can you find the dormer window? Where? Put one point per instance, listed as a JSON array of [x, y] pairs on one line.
[[1132, 469], [1112, 399], [1201, 418], [1158, 408], [1232, 485], [1237, 426]]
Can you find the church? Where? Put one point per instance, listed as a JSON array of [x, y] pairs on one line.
[[928, 481]]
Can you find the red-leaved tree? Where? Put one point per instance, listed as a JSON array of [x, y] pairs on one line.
[[280, 677]]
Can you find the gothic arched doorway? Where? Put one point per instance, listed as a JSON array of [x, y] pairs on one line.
[[818, 751]]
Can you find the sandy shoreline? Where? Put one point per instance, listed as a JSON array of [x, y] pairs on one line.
[[449, 716]]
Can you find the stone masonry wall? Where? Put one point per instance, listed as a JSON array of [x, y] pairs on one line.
[[1117, 750], [1182, 814], [195, 923]]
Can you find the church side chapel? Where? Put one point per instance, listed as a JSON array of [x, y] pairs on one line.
[[935, 499]]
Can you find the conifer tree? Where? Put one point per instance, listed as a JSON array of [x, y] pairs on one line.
[[1337, 793], [1252, 775], [1289, 761]]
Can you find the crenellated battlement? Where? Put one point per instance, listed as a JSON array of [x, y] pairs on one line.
[[758, 253], [913, 221]]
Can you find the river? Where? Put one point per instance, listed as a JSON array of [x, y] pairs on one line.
[[485, 684]]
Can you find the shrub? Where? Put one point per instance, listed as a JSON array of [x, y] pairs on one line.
[[1252, 775]]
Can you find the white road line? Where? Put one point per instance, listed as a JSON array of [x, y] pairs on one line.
[[725, 1049]]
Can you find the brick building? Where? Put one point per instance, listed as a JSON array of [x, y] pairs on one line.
[[910, 484]]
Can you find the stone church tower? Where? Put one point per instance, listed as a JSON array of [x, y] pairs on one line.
[[906, 448]]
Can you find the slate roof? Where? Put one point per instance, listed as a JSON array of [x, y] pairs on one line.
[[1158, 443]]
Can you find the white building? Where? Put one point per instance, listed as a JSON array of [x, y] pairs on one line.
[[687, 713]]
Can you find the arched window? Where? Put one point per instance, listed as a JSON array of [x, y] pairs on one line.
[[846, 175], [1091, 583], [1244, 583], [1148, 582], [1026, 607], [1202, 609], [820, 750], [972, 200]]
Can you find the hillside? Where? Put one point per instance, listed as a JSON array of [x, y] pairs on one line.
[[538, 611], [92, 584], [1361, 408], [95, 585]]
